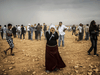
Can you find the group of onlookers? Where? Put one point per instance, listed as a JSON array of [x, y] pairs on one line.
[[20, 30], [37, 29], [53, 60], [81, 28]]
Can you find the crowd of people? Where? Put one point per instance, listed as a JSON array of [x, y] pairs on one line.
[[53, 59], [20, 30]]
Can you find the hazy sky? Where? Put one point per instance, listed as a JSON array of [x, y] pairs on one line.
[[49, 11]]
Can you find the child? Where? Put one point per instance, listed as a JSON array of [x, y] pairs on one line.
[[9, 39]]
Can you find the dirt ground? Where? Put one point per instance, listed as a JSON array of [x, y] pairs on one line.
[[29, 57]]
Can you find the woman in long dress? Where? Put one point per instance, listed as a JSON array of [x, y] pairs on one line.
[[53, 61]]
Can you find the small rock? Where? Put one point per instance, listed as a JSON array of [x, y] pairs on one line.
[[12, 62], [76, 71], [28, 70], [34, 73], [3, 70], [96, 70], [10, 68], [76, 67], [89, 73]]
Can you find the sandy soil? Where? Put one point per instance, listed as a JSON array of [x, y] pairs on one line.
[[29, 57]]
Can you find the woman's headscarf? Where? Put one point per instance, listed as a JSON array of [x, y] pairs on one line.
[[51, 26], [92, 24]]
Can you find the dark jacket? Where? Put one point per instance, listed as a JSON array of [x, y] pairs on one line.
[[45, 28], [38, 28], [53, 40], [92, 32], [22, 30], [14, 30]]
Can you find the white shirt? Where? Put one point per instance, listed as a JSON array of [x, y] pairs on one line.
[[80, 29], [70, 27], [28, 28], [24, 28], [61, 28], [87, 29], [19, 28]]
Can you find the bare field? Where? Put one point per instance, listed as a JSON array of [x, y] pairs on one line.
[[29, 57]]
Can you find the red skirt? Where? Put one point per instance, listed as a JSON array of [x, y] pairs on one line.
[[53, 59]]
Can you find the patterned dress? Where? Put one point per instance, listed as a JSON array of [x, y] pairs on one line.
[[9, 39]]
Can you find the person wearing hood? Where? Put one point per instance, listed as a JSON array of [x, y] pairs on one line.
[[87, 32], [53, 60], [93, 30]]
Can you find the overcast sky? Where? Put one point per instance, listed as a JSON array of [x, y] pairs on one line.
[[49, 11]]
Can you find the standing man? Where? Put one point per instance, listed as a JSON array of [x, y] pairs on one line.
[[4, 32], [1, 31], [28, 29], [35, 31], [80, 31], [87, 32], [45, 29], [41, 31], [22, 32], [31, 31], [38, 31], [61, 29], [73, 29], [14, 31], [18, 30]]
